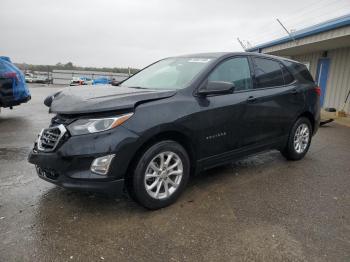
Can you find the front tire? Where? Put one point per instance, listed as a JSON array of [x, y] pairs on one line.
[[299, 140], [161, 175]]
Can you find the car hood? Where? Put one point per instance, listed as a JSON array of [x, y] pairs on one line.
[[94, 99]]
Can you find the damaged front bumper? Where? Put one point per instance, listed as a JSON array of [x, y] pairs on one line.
[[53, 169], [69, 165]]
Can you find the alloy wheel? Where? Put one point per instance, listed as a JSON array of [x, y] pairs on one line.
[[301, 138], [163, 175]]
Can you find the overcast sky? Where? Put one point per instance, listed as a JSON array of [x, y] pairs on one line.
[[137, 32]]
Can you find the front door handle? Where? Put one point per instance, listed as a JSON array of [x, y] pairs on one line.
[[294, 91], [251, 99]]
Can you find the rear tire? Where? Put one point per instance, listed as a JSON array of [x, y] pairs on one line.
[[299, 140], [160, 175]]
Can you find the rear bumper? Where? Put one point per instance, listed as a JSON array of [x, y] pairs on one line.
[[7, 95], [10, 101]]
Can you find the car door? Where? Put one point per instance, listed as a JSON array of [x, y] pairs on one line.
[[219, 119], [271, 105]]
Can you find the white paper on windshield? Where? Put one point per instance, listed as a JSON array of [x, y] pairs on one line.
[[199, 60]]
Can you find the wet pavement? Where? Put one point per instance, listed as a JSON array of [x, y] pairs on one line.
[[263, 208]]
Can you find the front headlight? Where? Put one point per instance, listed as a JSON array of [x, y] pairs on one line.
[[89, 126]]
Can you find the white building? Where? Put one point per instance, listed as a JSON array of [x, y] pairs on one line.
[[325, 48]]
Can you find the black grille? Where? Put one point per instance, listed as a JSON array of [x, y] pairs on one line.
[[47, 173], [50, 137]]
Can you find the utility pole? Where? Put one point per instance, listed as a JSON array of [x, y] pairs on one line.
[[285, 29], [48, 75], [241, 43]]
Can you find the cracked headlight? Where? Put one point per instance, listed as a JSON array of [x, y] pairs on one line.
[[89, 126]]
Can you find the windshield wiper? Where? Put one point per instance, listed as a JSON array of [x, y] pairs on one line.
[[137, 87]]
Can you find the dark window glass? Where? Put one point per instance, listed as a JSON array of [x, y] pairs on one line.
[[303, 72], [268, 73], [236, 71], [300, 71], [288, 77]]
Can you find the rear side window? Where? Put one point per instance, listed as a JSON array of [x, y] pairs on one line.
[[268, 73], [235, 70], [303, 72], [300, 71], [287, 76]]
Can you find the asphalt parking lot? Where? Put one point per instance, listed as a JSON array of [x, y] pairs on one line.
[[263, 208]]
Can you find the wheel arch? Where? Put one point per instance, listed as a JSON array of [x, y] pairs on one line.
[[176, 136], [311, 118]]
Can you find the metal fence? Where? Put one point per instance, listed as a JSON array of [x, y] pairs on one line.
[[63, 77]]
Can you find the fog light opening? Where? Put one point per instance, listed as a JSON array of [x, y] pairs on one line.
[[101, 165]]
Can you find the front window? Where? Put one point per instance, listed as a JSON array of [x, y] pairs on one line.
[[234, 70], [168, 74]]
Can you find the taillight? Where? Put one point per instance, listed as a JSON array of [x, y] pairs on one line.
[[318, 90], [10, 75]]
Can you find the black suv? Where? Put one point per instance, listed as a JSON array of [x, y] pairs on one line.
[[176, 117]]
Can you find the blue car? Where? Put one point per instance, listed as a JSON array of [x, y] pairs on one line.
[[13, 87], [101, 81]]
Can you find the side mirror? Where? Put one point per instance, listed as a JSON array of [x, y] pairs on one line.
[[216, 88], [48, 101]]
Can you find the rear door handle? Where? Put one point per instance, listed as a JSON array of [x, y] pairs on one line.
[[251, 99]]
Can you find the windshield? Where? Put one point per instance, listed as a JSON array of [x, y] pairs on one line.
[[170, 73]]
